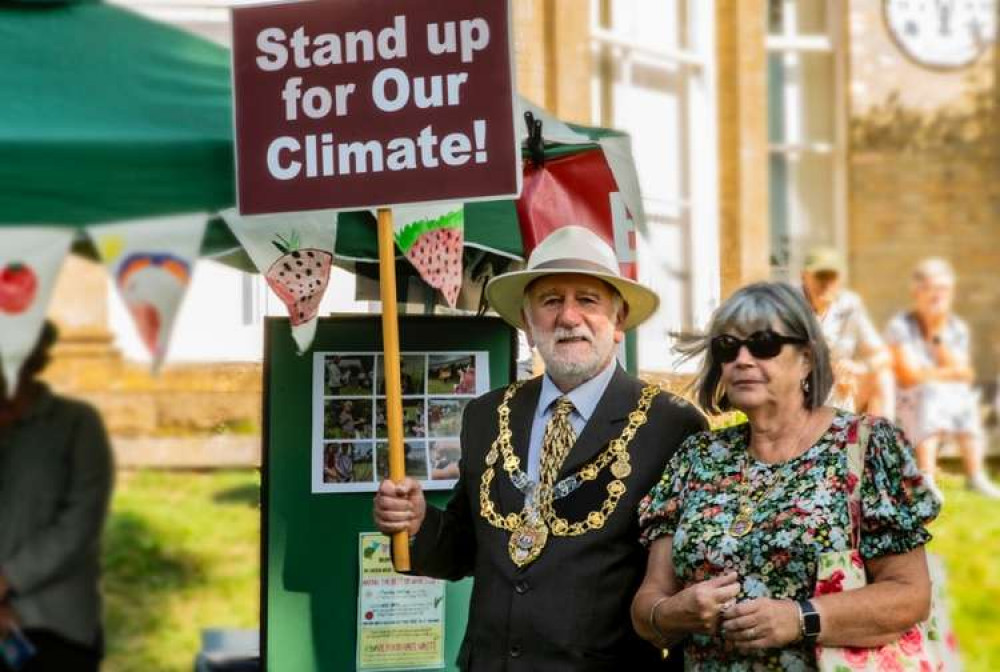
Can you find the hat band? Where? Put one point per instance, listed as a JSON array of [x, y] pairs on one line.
[[575, 264]]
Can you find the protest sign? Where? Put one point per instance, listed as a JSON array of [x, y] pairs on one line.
[[367, 103]]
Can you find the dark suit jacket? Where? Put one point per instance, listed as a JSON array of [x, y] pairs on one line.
[[569, 609]]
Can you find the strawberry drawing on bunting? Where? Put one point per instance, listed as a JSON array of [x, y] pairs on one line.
[[299, 277], [294, 252], [432, 237]]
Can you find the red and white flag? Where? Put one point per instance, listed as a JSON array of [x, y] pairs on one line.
[[30, 259]]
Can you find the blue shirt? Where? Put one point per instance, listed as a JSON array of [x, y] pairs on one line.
[[584, 398]]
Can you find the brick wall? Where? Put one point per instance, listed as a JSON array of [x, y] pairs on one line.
[[923, 178]]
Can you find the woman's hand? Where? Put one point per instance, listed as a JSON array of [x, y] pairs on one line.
[[699, 606], [761, 624]]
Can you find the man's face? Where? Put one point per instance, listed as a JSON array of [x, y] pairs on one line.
[[573, 322], [934, 295], [821, 286]]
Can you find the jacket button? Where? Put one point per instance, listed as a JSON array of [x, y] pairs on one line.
[[515, 651], [521, 587]]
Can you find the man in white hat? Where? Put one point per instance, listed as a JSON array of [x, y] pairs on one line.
[[544, 521]]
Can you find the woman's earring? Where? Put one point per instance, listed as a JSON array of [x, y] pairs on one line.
[[806, 386]]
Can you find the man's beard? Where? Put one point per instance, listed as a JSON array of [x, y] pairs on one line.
[[570, 370]]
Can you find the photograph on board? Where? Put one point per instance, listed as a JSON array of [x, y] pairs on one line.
[[349, 375], [348, 462], [444, 455], [444, 417], [451, 374], [348, 419], [413, 419], [411, 374]]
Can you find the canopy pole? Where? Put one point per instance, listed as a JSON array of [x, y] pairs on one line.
[[390, 363]]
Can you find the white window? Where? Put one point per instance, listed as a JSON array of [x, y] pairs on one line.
[[654, 78], [805, 129]]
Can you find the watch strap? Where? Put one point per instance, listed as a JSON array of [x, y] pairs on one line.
[[809, 623]]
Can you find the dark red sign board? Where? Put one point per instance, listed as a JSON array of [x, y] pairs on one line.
[[361, 103]]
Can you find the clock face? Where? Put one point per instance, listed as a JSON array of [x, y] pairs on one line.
[[942, 33]]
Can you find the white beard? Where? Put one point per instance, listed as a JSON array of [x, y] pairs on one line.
[[570, 371]]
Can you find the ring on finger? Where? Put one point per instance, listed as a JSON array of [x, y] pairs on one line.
[[751, 634]]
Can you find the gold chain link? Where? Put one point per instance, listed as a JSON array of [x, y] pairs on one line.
[[616, 452]]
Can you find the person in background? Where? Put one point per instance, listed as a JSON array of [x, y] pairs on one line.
[[936, 401], [741, 515], [56, 477], [861, 363]]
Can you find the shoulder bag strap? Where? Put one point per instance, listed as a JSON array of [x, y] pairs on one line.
[[856, 468]]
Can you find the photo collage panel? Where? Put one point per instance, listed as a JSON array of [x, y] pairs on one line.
[[350, 427]]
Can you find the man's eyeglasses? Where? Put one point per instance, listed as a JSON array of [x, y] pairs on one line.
[[765, 344]]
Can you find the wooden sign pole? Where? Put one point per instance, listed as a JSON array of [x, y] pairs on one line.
[[390, 362]]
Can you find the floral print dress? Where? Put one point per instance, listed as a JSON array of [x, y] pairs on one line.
[[800, 512]]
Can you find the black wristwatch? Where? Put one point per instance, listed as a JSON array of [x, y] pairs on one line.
[[808, 621]]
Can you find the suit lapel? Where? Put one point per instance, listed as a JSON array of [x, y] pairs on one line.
[[522, 413], [606, 422]]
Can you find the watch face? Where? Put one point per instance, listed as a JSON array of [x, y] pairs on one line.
[[942, 33]]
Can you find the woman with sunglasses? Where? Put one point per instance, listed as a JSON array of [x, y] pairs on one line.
[[741, 515]]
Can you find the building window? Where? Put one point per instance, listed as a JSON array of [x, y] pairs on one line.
[[654, 78], [805, 129]]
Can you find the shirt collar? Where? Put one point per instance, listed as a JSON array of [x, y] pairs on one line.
[[584, 396]]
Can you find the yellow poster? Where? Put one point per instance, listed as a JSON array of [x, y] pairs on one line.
[[400, 618]]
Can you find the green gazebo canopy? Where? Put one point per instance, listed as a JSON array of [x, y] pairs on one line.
[[110, 116]]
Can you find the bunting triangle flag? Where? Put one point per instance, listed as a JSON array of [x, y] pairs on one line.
[[294, 253], [30, 259], [432, 236], [151, 262]]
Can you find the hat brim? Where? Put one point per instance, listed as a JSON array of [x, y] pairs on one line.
[[505, 294]]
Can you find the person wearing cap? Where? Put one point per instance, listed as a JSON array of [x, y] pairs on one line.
[[56, 476], [543, 515], [861, 363]]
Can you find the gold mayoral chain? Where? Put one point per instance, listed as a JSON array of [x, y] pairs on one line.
[[531, 527]]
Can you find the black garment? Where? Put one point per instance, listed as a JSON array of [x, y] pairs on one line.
[[568, 611], [58, 654]]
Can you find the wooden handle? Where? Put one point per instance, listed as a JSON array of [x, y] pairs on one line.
[[390, 364]]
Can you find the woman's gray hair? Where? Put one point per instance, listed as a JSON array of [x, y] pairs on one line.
[[756, 307]]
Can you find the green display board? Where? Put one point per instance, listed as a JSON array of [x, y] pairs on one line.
[[310, 541]]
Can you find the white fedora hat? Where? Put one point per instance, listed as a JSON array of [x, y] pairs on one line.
[[576, 250]]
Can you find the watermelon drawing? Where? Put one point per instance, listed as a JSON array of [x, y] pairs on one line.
[[299, 277], [434, 247]]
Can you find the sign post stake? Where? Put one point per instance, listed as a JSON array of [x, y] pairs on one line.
[[390, 364]]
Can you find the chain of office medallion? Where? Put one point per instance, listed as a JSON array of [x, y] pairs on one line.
[[616, 451]]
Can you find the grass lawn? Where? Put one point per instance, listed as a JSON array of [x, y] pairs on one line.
[[181, 554], [967, 535]]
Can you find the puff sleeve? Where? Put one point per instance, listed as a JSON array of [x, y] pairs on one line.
[[896, 505], [659, 511]]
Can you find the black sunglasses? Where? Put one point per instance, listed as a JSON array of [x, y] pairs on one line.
[[765, 344]]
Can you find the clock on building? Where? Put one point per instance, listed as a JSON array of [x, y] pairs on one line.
[[942, 33]]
